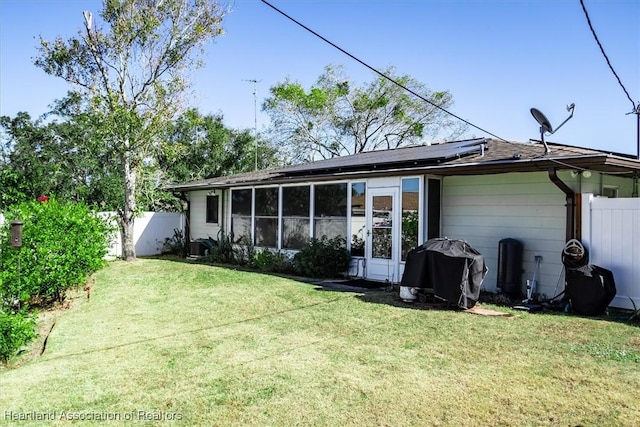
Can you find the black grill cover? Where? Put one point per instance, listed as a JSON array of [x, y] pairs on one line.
[[590, 289], [451, 268]]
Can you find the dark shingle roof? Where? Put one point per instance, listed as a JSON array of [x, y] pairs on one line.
[[475, 156]]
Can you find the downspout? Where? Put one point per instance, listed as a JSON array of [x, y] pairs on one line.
[[570, 199]]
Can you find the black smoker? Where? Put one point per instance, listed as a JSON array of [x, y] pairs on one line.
[[510, 267]]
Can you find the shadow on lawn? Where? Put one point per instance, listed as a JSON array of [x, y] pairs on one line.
[[368, 291], [383, 293], [486, 298], [390, 295]]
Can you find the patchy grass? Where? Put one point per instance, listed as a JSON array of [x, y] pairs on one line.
[[160, 340]]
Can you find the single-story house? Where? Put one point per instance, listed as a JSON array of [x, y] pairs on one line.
[[386, 202]]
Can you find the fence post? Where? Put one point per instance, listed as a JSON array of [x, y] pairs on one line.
[[586, 220]]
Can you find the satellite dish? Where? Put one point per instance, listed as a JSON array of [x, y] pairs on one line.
[[545, 125], [542, 120]]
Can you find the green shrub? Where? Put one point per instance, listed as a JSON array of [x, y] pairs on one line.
[[245, 250], [273, 262], [229, 250], [224, 251], [63, 243], [175, 245], [322, 258], [16, 331]]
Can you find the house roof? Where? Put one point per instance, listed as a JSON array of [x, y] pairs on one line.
[[468, 157]]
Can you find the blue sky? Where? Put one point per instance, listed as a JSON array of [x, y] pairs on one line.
[[498, 58]]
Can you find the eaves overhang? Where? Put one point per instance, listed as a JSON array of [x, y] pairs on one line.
[[501, 157]]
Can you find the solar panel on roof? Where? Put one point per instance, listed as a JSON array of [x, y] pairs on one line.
[[399, 155]]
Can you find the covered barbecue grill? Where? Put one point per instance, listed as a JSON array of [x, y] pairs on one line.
[[589, 288], [450, 269]]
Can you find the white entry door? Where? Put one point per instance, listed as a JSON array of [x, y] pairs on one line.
[[383, 234]]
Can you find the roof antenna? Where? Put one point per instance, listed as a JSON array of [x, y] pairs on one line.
[[255, 115], [545, 125]]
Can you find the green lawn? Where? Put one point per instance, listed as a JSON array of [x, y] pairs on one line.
[[213, 346]]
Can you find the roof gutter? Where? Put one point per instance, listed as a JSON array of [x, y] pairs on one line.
[[570, 199]]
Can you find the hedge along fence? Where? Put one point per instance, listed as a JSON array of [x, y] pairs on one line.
[[62, 244], [150, 231]]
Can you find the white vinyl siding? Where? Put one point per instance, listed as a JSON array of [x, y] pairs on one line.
[[199, 226], [597, 183], [525, 206]]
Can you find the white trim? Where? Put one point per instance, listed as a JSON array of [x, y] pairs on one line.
[[586, 220], [396, 221], [312, 209]]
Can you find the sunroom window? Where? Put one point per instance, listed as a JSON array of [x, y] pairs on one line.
[[241, 201], [266, 214], [330, 210], [410, 214], [358, 218], [295, 216]]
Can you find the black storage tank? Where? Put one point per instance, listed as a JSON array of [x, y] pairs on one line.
[[510, 267]]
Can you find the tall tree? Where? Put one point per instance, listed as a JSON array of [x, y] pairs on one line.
[[14, 189], [335, 117], [59, 154], [133, 72], [195, 147], [21, 143], [52, 157], [200, 146]]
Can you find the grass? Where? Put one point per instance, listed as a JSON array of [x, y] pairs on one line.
[[165, 342]]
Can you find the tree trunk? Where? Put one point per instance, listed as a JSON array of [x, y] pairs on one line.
[[126, 215]]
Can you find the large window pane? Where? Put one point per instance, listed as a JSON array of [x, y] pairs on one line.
[[266, 232], [410, 214], [266, 217], [267, 201], [241, 213], [295, 232], [330, 200], [330, 216], [241, 226], [330, 227], [358, 219], [295, 201], [241, 202], [295, 216]]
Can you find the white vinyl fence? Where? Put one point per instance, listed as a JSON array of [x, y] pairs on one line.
[[149, 232], [611, 233]]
